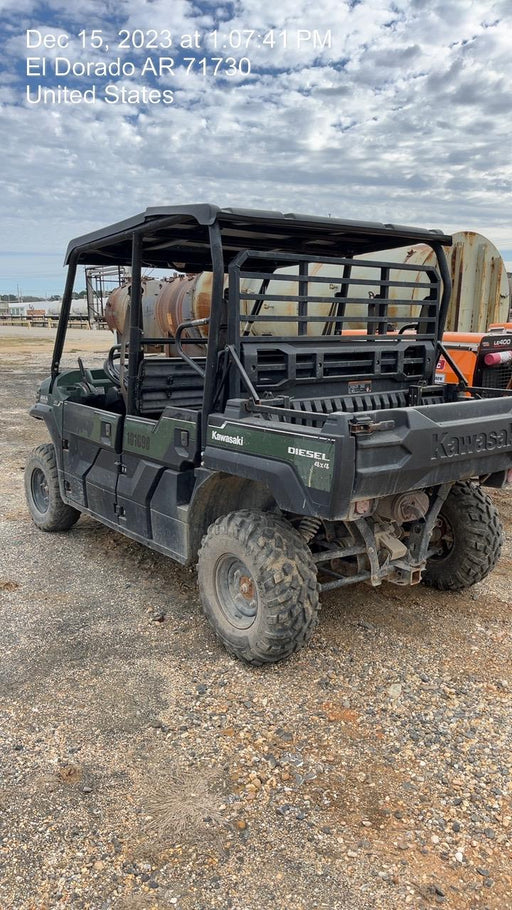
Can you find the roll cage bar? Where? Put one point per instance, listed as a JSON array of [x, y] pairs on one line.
[[204, 237]]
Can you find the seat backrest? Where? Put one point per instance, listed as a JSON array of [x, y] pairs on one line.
[[316, 368], [164, 381]]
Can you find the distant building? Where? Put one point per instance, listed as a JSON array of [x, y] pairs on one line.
[[35, 307], [18, 309]]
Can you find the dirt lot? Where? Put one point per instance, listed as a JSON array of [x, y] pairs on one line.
[[142, 768]]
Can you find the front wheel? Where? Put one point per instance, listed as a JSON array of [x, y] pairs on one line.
[[257, 581], [49, 512], [468, 538]]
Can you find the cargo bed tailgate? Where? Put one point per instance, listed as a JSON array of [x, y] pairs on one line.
[[433, 444]]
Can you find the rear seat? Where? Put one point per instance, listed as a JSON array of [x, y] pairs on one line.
[[164, 381]]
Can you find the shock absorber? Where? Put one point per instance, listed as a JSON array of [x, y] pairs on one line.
[[309, 527]]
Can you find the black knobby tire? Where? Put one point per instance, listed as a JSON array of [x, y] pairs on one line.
[[470, 536], [42, 491], [258, 587]]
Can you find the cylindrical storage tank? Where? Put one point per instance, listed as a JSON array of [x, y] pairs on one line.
[[78, 308], [480, 287], [184, 299], [279, 288], [151, 290], [480, 293], [116, 307], [166, 303], [355, 312], [118, 302]]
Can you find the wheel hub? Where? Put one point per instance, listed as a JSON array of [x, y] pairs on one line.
[[247, 587], [40, 491], [442, 539], [236, 592]]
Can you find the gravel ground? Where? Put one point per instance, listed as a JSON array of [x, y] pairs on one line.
[[142, 768]]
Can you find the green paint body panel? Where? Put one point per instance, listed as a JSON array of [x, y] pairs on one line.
[[153, 436], [170, 440], [93, 424], [311, 456]]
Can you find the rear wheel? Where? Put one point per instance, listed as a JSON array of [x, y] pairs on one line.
[[45, 504], [257, 581], [468, 539]]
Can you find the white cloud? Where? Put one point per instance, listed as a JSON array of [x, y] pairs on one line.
[[405, 118]]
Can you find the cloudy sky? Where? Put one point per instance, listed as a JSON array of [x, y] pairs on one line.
[[392, 110]]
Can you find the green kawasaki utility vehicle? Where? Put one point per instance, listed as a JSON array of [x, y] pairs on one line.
[[290, 442]]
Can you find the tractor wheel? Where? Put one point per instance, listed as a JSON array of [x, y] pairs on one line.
[[257, 581], [468, 537], [45, 504]]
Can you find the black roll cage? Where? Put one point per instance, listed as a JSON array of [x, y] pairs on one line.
[[205, 237]]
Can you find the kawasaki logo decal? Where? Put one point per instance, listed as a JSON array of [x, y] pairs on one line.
[[223, 437], [449, 445]]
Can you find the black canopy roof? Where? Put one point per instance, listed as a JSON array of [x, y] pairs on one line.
[[177, 236]]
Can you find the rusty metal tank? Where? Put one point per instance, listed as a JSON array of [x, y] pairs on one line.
[[182, 299], [480, 287], [480, 295], [276, 308], [166, 303], [118, 302]]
